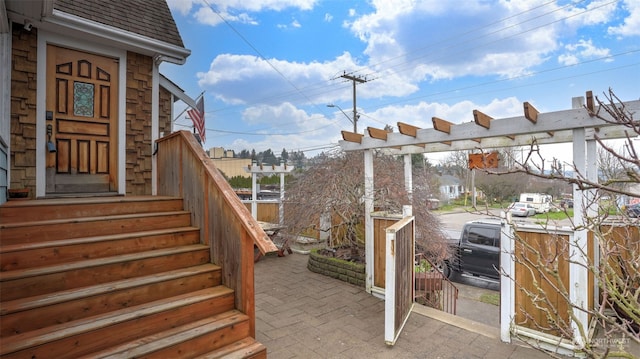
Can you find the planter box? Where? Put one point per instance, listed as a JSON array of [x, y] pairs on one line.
[[18, 194], [343, 270]]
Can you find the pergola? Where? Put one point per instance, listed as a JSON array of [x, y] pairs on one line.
[[578, 125]]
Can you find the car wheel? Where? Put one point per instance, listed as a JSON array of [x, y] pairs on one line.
[[443, 267]]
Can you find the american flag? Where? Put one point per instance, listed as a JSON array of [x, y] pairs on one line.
[[197, 116]]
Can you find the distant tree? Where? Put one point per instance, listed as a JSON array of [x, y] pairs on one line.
[[244, 154], [238, 182], [284, 155], [334, 186], [268, 157], [501, 188]]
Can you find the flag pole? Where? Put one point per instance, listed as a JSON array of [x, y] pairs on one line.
[[188, 107]]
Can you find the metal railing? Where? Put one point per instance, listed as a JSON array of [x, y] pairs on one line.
[[432, 288]]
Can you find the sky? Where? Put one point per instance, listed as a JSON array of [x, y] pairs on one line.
[[269, 68]]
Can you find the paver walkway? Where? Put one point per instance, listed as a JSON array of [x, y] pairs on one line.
[[301, 314]]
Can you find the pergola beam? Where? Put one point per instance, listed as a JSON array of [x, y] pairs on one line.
[[547, 124]]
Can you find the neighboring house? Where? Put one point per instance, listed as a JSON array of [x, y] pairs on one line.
[[450, 187], [233, 167], [78, 80]]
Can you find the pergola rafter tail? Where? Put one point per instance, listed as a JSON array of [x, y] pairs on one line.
[[485, 132]]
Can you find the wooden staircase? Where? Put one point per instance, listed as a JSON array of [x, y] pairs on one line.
[[113, 277]]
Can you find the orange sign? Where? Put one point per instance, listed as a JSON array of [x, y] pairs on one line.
[[483, 160]]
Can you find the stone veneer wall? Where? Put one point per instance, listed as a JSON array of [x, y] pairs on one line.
[[336, 268], [138, 124], [164, 114], [24, 54]]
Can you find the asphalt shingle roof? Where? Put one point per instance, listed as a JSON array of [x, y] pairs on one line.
[[150, 18]]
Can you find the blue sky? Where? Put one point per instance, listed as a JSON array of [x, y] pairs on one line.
[[268, 68]]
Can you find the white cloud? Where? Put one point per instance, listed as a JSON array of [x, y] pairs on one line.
[[506, 48], [582, 50], [260, 5], [631, 24], [183, 6], [595, 12], [229, 76], [328, 17], [235, 10]]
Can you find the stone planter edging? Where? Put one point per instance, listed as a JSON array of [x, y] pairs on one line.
[[337, 268]]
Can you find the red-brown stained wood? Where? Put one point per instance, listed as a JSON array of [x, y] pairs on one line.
[[352, 137], [481, 119], [91, 226], [245, 348], [218, 334], [407, 129], [377, 133], [21, 211], [30, 255], [68, 306], [37, 281], [97, 333], [441, 125], [530, 112]]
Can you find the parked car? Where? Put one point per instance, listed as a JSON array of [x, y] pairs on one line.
[[633, 210], [566, 203], [521, 209], [476, 251]]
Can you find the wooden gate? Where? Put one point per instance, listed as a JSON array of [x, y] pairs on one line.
[[399, 289]]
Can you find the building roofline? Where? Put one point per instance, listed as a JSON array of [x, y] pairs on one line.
[[159, 49]]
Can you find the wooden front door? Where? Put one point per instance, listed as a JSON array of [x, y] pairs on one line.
[[81, 120]]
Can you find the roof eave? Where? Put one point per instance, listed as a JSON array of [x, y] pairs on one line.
[[161, 51]]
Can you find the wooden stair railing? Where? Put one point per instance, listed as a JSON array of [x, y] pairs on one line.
[[185, 170], [114, 277]]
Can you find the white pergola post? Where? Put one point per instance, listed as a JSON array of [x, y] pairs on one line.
[[254, 196], [408, 177], [281, 204], [267, 170], [578, 270], [507, 277], [368, 221]]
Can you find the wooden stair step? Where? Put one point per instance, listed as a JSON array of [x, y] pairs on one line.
[[59, 208], [35, 254], [96, 333], [25, 232], [22, 315], [24, 283], [184, 341], [242, 349]]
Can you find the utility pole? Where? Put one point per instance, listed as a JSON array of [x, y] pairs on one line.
[[354, 79]]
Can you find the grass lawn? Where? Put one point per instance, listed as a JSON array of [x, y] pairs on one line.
[[556, 216], [490, 298]]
